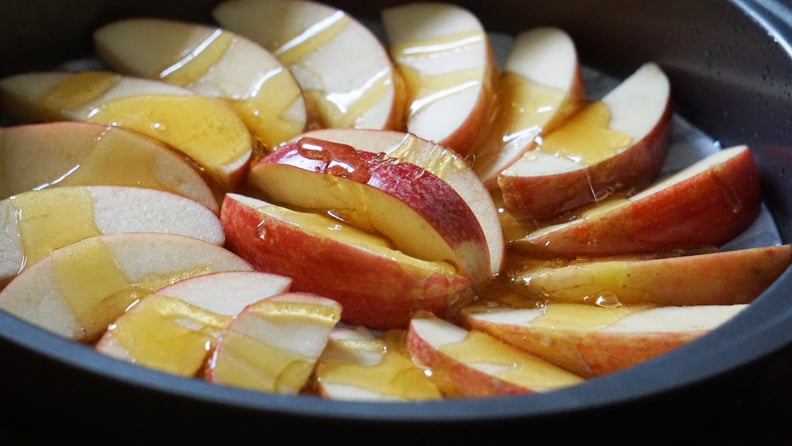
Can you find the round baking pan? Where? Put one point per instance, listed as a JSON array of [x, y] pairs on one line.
[[730, 66]]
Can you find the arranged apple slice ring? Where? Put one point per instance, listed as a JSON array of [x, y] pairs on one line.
[[213, 62]]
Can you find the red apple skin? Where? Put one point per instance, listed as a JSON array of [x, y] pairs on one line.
[[541, 198], [622, 351], [374, 291], [706, 210]]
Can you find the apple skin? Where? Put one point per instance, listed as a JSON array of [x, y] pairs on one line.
[[703, 206], [719, 278], [377, 289], [418, 211], [544, 196]]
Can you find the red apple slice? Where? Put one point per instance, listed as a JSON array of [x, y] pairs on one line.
[[273, 345], [164, 333], [357, 365], [591, 340], [203, 128], [421, 214], [475, 364], [704, 205], [378, 286], [616, 144], [345, 73], [442, 162], [78, 290], [540, 86], [73, 153], [34, 223], [721, 278], [213, 62], [446, 59]]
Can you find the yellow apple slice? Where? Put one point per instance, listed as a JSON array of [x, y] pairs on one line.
[[475, 364], [74, 153], [379, 287], [273, 344], [78, 290], [446, 59], [591, 340], [34, 223], [442, 162], [540, 86], [213, 62], [616, 144], [421, 214], [345, 73], [175, 328], [720, 278], [357, 365], [702, 206], [203, 128]]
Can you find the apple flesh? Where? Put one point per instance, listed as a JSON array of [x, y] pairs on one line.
[[344, 71], [445, 57], [591, 340], [417, 211], [273, 344], [703, 206], [540, 86], [378, 286], [34, 223], [475, 364], [203, 128], [120, 268], [616, 144], [75, 153], [212, 62]]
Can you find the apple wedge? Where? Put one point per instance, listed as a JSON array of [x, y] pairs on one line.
[[720, 278], [344, 71], [34, 223], [616, 144], [205, 129], [164, 333], [591, 340], [702, 206], [420, 213], [273, 345], [475, 364], [540, 86], [447, 62], [78, 290], [212, 62], [378, 286], [75, 153], [442, 162], [357, 365]]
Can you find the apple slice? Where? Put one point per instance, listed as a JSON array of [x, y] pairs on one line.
[[442, 162], [475, 364], [590, 340], [213, 62], [616, 144], [445, 57], [378, 286], [78, 290], [273, 345], [720, 278], [420, 213], [34, 223], [540, 86], [74, 153], [203, 128], [345, 73], [704, 205], [357, 365]]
